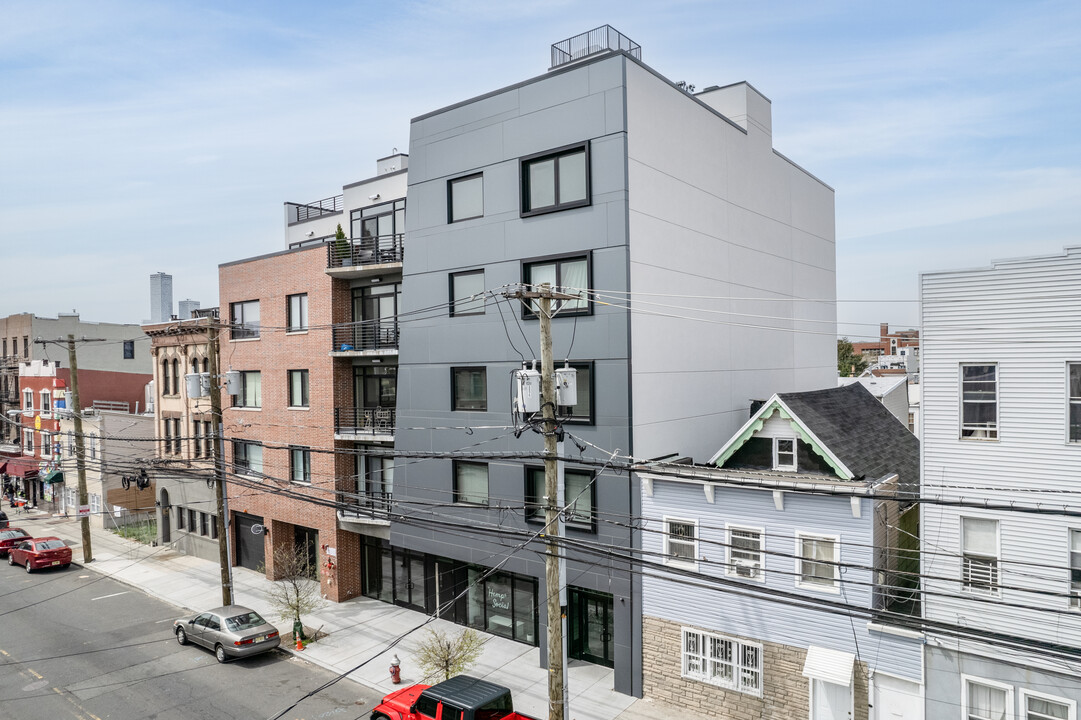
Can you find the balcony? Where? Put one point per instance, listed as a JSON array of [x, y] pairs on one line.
[[366, 338], [364, 424], [369, 509], [352, 259]]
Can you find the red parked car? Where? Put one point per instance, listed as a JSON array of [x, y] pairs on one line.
[[10, 537], [42, 552]]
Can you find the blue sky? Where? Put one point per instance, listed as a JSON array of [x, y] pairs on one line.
[[141, 137]]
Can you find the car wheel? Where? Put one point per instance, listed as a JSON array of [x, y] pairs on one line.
[[380, 716], [11, 559], [219, 653], [181, 636], [28, 568]]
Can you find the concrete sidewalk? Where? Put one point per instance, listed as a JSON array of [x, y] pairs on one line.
[[358, 630]]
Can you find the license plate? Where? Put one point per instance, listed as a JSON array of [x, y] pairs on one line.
[[261, 638], [56, 562]]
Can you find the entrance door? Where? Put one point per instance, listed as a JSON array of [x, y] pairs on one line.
[[447, 587], [250, 548], [166, 526], [591, 626], [409, 580], [897, 699], [307, 546], [830, 701]]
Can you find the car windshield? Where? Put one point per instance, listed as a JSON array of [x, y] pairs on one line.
[[244, 621], [51, 545]]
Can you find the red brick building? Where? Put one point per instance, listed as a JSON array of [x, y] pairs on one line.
[[888, 343]]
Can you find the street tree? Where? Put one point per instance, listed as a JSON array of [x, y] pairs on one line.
[[293, 592], [444, 655]]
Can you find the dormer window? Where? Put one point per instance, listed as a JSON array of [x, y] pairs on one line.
[[784, 453]]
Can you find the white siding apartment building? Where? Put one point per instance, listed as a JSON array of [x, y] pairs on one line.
[[1001, 354]]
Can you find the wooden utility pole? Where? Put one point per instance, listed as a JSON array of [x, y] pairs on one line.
[[553, 558], [80, 455], [219, 467]]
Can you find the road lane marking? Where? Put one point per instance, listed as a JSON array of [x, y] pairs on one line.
[[39, 677], [159, 622], [109, 596], [67, 696]]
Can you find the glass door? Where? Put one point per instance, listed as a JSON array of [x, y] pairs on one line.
[[409, 580], [591, 627]]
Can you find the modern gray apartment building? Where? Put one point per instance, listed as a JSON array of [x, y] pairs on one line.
[[703, 265]]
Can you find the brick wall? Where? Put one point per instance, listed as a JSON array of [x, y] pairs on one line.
[[270, 279], [785, 692]]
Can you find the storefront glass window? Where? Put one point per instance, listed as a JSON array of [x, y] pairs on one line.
[[500, 605]]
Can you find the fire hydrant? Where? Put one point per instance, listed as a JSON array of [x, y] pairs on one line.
[[396, 670]]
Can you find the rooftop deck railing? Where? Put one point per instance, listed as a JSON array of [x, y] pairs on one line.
[[299, 212], [365, 251], [595, 41]]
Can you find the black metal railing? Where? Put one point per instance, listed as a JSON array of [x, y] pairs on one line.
[[595, 41], [365, 335], [299, 212], [364, 421], [365, 251]]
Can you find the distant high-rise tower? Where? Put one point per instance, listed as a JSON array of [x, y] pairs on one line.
[[161, 297], [184, 308]]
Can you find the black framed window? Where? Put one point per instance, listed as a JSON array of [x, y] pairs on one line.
[[375, 386], [192, 514], [469, 388], [244, 320], [470, 483], [165, 387], [582, 411], [180, 517], [567, 275], [555, 180], [296, 312], [465, 198], [247, 458], [298, 388], [385, 220], [129, 349], [251, 390], [467, 293], [579, 492], [300, 465]]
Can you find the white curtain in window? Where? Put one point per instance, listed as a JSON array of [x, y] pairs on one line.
[[986, 703], [1040, 709], [473, 484], [980, 536], [575, 278]]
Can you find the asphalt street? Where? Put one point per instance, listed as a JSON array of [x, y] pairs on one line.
[[75, 644]]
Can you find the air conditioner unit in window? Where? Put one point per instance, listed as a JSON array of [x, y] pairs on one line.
[[746, 568]]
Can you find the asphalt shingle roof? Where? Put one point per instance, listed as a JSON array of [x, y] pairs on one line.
[[861, 432]]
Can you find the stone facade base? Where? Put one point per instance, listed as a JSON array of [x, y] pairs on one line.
[[785, 691]]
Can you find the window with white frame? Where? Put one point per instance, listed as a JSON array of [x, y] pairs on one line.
[[979, 402], [784, 453], [722, 661], [985, 699], [1075, 569], [816, 564], [1074, 394], [681, 542], [745, 552], [46, 401], [1038, 706], [979, 555], [46, 444], [95, 503], [28, 399], [28, 442]]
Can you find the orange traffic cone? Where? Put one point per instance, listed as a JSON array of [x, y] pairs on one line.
[[300, 643]]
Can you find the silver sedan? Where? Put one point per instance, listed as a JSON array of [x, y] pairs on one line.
[[232, 631]]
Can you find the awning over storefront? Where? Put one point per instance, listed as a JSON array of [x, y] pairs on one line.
[[24, 468], [54, 476], [833, 666]]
